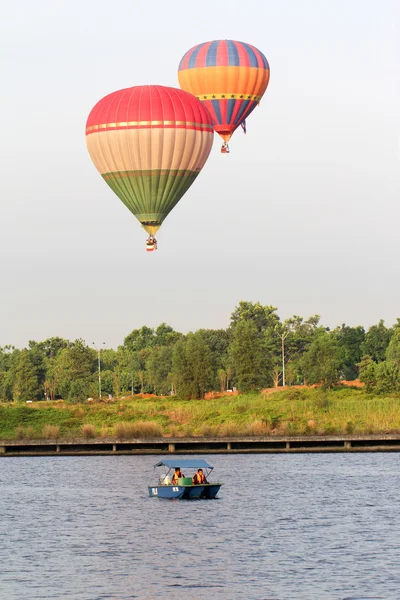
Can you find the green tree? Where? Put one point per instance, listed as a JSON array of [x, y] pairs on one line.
[[192, 366], [218, 342], [127, 367], [246, 356], [26, 377], [50, 347], [321, 362], [76, 367], [387, 375], [8, 355], [139, 339], [367, 372], [393, 349], [166, 336], [376, 341], [263, 317], [295, 336], [350, 341], [158, 368]]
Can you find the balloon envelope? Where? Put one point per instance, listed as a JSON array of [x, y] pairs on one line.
[[229, 77], [149, 143]]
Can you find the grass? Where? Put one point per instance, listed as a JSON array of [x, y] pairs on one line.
[[290, 412]]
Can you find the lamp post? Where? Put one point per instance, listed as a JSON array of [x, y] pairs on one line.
[[99, 364], [283, 337]]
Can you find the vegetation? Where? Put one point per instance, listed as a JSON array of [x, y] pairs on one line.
[[293, 411], [40, 385]]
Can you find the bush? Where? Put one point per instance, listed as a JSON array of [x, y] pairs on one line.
[[24, 433], [273, 421], [208, 430], [257, 428], [88, 431], [104, 431], [139, 429], [50, 432], [231, 429]]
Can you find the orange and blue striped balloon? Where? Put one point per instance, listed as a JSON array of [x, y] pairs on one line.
[[229, 77]]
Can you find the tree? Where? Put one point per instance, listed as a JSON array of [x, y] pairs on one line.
[[50, 347], [7, 357], [367, 372], [139, 339], [77, 370], [376, 341], [166, 336], [393, 349], [295, 336], [263, 317], [321, 362], [387, 375], [158, 367], [218, 342], [350, 340], [26, 377], [191, 366], [246, 356]]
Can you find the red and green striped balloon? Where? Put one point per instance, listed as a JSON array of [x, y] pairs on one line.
[[149, 143]]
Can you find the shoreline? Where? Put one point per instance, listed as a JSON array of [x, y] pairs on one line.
[[193, 445]]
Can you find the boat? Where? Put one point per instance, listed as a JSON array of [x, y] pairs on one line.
[[183, 488]]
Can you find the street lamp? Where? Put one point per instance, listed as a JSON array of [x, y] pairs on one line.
[[283, 337], [99, 364]]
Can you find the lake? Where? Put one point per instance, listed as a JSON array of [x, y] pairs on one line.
[[285, 527]]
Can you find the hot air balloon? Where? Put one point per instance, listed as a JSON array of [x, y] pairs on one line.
[[230, 79], [149, 143]]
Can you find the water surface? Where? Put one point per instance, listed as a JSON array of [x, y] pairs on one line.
[[299, 526]]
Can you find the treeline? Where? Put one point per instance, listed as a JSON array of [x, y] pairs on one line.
[[257, 350]]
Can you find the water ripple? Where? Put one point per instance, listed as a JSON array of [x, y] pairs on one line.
[[295, 527]]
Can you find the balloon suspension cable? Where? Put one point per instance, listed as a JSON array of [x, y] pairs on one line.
[[151, 244], [225, 148]]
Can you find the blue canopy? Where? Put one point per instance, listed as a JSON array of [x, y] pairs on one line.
[[188, 463]]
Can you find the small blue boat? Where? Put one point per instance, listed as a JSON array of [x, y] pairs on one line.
[[186, 488]]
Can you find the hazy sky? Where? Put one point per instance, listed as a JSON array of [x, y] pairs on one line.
[[303, 214]]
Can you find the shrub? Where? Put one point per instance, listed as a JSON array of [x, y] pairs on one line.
[[208, 431], [256, 428], [173, 430], [322, 401], [231, 429], [139, 429], [50, 432], [24, 433], [272, 421], [88, 431], [19, 432], [104, 431]]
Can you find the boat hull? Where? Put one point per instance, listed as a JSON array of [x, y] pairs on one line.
[[210, 490], [166, 491], [192, 492], [185, 492]]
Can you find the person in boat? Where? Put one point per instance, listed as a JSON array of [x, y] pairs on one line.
[[199, 478], [177, 475]]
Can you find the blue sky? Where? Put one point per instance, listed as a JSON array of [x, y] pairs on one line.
[[303, 214]]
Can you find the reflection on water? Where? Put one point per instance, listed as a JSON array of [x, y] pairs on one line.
[[287, 527]]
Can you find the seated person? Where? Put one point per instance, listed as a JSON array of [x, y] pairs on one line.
[[177, 475], [199, 478]]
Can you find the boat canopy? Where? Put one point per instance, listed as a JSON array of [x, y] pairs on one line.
[[188, 463]]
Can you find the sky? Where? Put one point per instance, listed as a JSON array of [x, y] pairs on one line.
[[303, 213]]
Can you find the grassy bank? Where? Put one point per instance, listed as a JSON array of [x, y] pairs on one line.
[[289, 412]]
